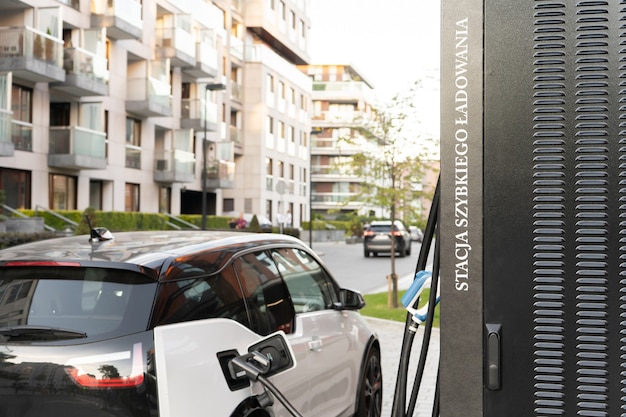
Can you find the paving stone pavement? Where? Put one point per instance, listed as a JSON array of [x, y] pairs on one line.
[[390, 334]]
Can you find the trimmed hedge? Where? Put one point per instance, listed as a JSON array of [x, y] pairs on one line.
[[117, 221]]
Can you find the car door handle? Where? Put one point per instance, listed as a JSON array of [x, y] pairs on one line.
[[315, 344]]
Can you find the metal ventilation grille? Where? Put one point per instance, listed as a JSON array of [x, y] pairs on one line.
[[579, 193]]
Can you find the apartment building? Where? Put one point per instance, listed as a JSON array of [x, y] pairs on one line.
[[342, 107], [151, 105]]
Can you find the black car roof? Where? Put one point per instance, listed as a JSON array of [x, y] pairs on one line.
[[145, 248]]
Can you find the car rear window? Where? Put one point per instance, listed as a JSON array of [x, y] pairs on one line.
[[380, 228], [99, 302]]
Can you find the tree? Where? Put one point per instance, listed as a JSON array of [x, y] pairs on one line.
[[389, 163]]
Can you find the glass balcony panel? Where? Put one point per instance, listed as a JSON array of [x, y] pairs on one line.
[[133, 156], [236, 47], [236, 135], [207, 51], [30, 43], [159, 92], [127, 10], [76, 140], [22, 135], [6, 116], [220, 174], [269, 183], [82, 62], [235, 91], [332, 197], [184, 162]]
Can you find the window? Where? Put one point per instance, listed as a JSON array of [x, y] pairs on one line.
[[310, 287], [270, 125], [16, 186], [62, 195], [228, 204], [131, 197], [21, 103], [270, 83], [216, 296], [268, 166], [59, 114], [165, 199], [269, 306], [133, 132]]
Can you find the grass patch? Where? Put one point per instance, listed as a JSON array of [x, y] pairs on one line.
[[376, 306]]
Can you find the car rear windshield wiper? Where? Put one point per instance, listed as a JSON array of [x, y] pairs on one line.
[[39, 333]]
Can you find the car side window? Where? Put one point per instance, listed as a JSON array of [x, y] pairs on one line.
[[310, 287], [216, 296], [267, 298]]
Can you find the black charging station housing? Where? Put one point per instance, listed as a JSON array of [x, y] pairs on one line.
[[533, 208]]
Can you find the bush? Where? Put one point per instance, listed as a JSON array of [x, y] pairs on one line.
[[13, 239]]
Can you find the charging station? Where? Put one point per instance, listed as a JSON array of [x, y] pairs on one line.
[[533, 208]]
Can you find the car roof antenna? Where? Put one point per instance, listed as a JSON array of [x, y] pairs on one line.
[[98, 234]]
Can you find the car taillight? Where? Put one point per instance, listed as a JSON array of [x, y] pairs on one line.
[[396, 233], [368, 233], [105, 365]]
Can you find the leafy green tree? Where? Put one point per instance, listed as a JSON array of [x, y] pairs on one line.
[[389, 164]]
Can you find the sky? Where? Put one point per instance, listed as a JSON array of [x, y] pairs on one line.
[[392, 43]]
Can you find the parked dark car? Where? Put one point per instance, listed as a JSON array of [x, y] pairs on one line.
[[377, 238], [146, 324]]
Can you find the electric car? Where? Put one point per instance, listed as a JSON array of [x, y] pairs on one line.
[[377, 238], [150, 324]]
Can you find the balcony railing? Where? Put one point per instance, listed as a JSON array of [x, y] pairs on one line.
[[87, 64], [6, 116], [76, 140], [22, 135], [199, 108], [236, 135], [174, 166], [127, 10], [30, 43], [207, 53], [177, 38], [236, 47], [220, 174], [133, 157], [332, 197]]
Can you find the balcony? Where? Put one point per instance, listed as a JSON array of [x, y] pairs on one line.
[[86, 74], [207, 60], [194, 111], [334, 200], [122, 18], [75, 147], [236, 47], [6, 144], [30, 54], [269, 25], [220, 174], [174, 166], [148, 97], [176, 44]]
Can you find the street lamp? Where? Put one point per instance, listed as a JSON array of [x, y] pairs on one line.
[[209, 87]]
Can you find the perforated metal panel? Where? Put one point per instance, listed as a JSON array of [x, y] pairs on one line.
[[554, 206]]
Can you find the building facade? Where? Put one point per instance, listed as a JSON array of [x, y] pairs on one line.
[[123, 105], [342, 107]]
